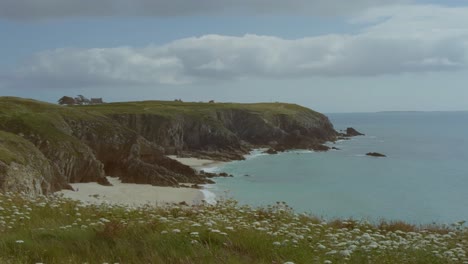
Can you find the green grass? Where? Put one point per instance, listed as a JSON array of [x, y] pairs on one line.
[[163, 107], [56, 230], [14, 148]]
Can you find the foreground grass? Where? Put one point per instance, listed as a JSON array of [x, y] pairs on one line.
[[56, 230]]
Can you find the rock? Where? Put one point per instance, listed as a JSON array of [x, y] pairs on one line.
[[223, 174], [270, 151], [351, 132], [335, 148], [375, 154], [321, 148]]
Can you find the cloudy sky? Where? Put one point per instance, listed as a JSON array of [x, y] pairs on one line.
[[330, 55]]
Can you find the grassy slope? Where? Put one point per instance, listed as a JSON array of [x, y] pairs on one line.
[[55, 230], [13, 148]]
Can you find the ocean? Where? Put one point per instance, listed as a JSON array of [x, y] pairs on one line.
[[423, 180]]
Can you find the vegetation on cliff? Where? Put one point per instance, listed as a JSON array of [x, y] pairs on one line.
[[56, 230], [131, 140]]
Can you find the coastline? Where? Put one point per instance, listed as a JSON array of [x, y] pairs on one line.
[[201, 165]]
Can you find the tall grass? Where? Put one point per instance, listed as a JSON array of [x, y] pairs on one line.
[[57, 230]]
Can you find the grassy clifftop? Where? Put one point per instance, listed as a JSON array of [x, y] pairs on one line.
[[193, 108]]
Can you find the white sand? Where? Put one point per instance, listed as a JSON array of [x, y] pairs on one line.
[[197, 164], [132, 194]]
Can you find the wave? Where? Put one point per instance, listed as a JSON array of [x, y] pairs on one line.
[[302, 151], [211, 169]]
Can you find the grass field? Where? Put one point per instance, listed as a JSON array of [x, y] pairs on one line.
[[56, 230]]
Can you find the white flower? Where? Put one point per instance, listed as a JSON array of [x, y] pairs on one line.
[[19, 241], [345, 253], [320, 246]]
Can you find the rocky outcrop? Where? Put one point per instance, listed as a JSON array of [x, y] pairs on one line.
[[23, 168], [131, 140], [376, 154], [351, 132], [271, 151]]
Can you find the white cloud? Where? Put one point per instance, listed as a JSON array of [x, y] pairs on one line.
[[37, 9], [404, 39]]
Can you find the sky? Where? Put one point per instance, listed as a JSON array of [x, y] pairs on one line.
[[332, 56]]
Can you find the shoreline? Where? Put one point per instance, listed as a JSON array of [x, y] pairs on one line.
[[201, 165]]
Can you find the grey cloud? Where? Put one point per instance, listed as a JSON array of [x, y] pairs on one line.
[[39, 9], [434, 47]]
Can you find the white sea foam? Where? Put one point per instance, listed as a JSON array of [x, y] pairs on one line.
[[256, 153], [303, 151], [208, 196], [211, 169]]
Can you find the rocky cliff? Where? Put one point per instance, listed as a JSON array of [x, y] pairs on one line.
[[131, 140]]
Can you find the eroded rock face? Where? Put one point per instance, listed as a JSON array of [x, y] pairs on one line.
[[229, 134], [26, 169]]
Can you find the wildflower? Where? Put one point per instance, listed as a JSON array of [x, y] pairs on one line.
[[320, 246], [19, 241], [345, 253]]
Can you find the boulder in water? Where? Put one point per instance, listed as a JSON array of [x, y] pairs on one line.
[[376, 154], [351, 132]]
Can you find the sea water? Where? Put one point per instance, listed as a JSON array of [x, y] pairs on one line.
[[423, 179]]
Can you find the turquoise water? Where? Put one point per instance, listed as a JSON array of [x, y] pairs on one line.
[[424, 179]]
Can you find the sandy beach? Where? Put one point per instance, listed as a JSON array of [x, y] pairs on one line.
[[131, 194], [140, 194], [197, 164]]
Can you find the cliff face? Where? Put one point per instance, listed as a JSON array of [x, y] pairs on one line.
[[131, 140], [228, 132], [23, 167]]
